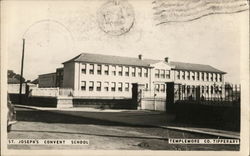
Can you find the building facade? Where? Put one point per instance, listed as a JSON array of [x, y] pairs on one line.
[[93, 75], [47, 80]]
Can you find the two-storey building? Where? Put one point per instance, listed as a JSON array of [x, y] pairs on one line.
[[93, 75]]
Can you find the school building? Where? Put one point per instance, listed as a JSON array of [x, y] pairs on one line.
[[98, 75]]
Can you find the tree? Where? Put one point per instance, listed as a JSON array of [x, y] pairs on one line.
[[13, 77]]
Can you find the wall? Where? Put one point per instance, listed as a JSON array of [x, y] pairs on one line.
[[68, 76], [222, 117], [47, 80], [106, 78], [104, 103]]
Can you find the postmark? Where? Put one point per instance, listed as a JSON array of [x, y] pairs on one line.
[[116, 17]]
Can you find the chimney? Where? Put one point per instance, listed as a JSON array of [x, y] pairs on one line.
[[140, 57], [167, 59]]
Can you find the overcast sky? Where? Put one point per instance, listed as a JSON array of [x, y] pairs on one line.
[[57, 31]]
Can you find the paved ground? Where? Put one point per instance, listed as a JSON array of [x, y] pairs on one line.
[[106, 129]]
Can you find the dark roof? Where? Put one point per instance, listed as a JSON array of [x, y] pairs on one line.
[[195, 67], [109, 59]]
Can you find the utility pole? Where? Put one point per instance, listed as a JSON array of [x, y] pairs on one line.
[[20, 91]]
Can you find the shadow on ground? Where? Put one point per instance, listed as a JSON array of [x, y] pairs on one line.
[[30, 115]]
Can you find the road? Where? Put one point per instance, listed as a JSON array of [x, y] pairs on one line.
[[102, 134]]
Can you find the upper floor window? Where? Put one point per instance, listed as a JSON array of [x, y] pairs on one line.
[[99, 69], [91, 69], [133, 71], [83, 85], [91, 85], [216, 77], [220, 78], [188, 75], [183, 75], [106, 86], [178, 74], [193, 75], [106, 69], [126, 86], [162, 72], [113, 68], [145, 71], [168, 74], [126, 71], [98, 86], [84, 68], [139, 72], [207, 77], [202, 76], [157, 73], [212, 76], [120, 70], [198, 75]]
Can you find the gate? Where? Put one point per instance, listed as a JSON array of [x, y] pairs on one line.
[[150, 99]]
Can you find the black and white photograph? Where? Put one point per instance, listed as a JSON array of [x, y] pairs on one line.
[[124, 77]]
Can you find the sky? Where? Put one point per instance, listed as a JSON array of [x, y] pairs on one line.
[[56, 31]]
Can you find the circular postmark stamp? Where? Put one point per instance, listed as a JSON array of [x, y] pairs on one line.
[[116, 17]]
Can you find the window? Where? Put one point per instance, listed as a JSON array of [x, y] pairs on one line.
[[168, 74], [162, 73], [202, 76], [83, 85], [133, 71], [145, 71], [193, 88], [216, 77], [99, 69], [157, 87], [120, 86], [113, 86], [126, 86], [220, 77], [120, 70], [83, 68], [113, 70], [91, 69], [202, 89], [212, 89], [157, 73], [212, 76], [193, 75], [207, 77], [198, 75], [178, 74], [106, 86], [106, 69], [146, 86], [162, 87], [139, 72], [207, 89], [126, 71], [188, 75], [188, 89], [98, 86], [91, 85], [183, 75]]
